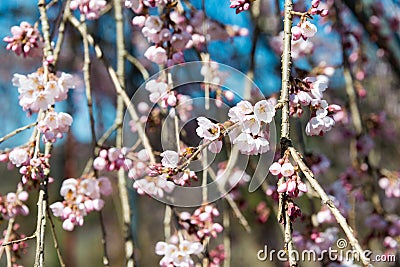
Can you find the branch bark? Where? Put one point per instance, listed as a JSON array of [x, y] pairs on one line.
[[285, 124]]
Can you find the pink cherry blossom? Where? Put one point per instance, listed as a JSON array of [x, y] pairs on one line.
[[25, 40], [18, 156], [91, 8], [207, 130], [287, 169]]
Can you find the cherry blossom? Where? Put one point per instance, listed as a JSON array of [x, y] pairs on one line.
[[54, 125], [178, 253], [207, 130], [35, 171], [18, 156], [35, 94], [391, 186], [25, 40], [252, 135], [113, 159], [155, 186], [202, 220], [13, 204], [91, 8], [81, 196]]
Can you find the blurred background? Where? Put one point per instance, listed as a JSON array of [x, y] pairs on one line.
[[378, 58]]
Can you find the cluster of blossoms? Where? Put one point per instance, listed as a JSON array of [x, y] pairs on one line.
[[305, 29], [163, 95], [252, 135], [309, 92], [12, 204], [35, 93], [217, 256], [53, 125], [90, 8], [175, 32], [33, 170], [250, 132], [169, 169], [299, 47], [112, 159], [293, 184], [201, 223], [81, 196], [154, 186], [25, 40], [391, 185], [178, 252]]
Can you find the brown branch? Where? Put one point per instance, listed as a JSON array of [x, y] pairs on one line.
[[236, 211], [327, 201], [135, 62], [283, 215], [123, 192], [17, 131], [119, 89]]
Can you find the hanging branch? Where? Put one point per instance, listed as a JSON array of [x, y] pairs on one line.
[[42, 200], [123, 192], [118, 88], [327, 201], [283, 215], [55, 239]]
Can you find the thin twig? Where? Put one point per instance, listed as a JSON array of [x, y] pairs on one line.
[[236, 211], [7, 236], [55, 239], [135, 62], [17, 131], [61, 31], [226, 221], [87, 79], [327, 201], [119, 89]]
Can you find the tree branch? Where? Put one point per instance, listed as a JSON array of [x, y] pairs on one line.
[[327, 201]]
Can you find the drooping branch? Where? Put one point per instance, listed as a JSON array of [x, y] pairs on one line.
[[118, 88], [123, 192], [327, 201], [283, 215]]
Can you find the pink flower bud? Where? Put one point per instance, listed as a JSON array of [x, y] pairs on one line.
[[275, 168], [282, 188], [99, 163], [296, 33], [287, 169], [302, 187]]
